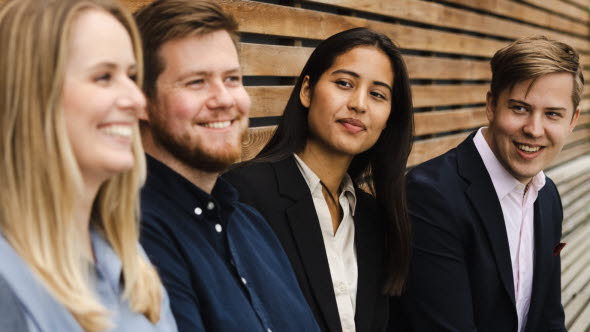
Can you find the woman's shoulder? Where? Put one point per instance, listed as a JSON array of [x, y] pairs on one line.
[[40, 309], [12, 314]]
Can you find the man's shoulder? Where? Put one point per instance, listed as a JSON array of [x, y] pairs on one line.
[[437, 171], [250, 173]]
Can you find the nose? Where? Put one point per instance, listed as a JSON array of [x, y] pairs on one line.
[[131, 98], [533, 126], [358, 101], [220, 97]]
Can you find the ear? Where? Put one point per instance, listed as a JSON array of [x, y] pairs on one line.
[[490, 107], [305, 92], [575, 118]]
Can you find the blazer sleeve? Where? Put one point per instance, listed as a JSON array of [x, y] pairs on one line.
[[553, 317], [438, 296]]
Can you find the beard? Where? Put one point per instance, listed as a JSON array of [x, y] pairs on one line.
[[196, 154]]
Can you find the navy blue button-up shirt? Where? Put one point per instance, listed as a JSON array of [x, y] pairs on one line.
[[222, 265]]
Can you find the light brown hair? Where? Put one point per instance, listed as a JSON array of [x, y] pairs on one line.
[[165, 20], [39, 175], [532, 57]]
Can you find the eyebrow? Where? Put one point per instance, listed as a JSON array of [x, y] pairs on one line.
[[555, 108], [353, 74]]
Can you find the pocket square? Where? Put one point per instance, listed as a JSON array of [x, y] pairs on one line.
[[558, 247]]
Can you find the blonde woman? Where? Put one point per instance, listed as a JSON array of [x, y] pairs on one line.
[[71, 168]]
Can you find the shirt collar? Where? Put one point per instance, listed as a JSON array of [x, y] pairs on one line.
[[313, 181], [108, 265], [503, 181], [190, 197]]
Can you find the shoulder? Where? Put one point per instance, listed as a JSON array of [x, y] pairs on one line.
[[12, 314], [250, 173], [254, 181], [440, 172]]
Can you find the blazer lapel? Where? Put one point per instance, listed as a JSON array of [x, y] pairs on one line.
[[304, 223], [368, 262], [485, 201]]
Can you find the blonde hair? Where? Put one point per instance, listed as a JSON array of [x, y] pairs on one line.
[[39, 175], [532, 57]]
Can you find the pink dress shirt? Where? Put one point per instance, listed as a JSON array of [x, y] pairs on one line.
[[517, 208]]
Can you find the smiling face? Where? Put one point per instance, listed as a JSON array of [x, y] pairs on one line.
[[350, 103], [529, 128], [201, 109], [100, 98]]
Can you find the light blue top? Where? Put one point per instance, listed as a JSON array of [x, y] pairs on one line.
[[44, 314]]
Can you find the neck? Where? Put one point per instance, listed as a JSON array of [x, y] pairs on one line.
[[328, 165], [202, 179]]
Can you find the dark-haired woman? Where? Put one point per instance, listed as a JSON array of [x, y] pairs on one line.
[[348, 123]]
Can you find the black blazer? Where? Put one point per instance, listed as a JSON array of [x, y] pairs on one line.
[[279, 191], [461, 273]]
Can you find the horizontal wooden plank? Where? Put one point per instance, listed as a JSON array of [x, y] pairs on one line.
[[581, 3], [444, 16], [271, 100], [443, 95], [562, 8], [276, 60], [523, 12], [431, 148], [571, 153], [275, 20], [583, 322], [441, 121], [563, 175]]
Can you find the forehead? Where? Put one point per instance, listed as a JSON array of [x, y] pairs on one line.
[[98, 35], [550, 90], [208, 52], [367, 61]]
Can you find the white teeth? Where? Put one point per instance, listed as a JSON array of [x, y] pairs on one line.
[[527, 148], [118, 130], [217, 125]]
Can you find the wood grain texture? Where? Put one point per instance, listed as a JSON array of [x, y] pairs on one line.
[[563, 8], [523, 12], [255, 140], [443, 121], [277, 60], [449, 17], [275, 20]]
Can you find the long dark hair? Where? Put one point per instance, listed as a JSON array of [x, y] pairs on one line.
[[382, 167]]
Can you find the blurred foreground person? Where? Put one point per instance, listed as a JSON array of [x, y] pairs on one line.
[[223, 266], [72, 165], [486, 219], [348, 123]]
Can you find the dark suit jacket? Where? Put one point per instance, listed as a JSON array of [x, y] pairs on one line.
[[461, 273], [280, 193]]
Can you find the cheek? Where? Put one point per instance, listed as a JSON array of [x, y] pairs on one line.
[[243, 101], [178, 107]]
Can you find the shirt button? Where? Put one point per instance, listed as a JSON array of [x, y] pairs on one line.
[[218, 228], [210, 206], [268, 330], [340, 288], [198, 211], [244, 281]]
